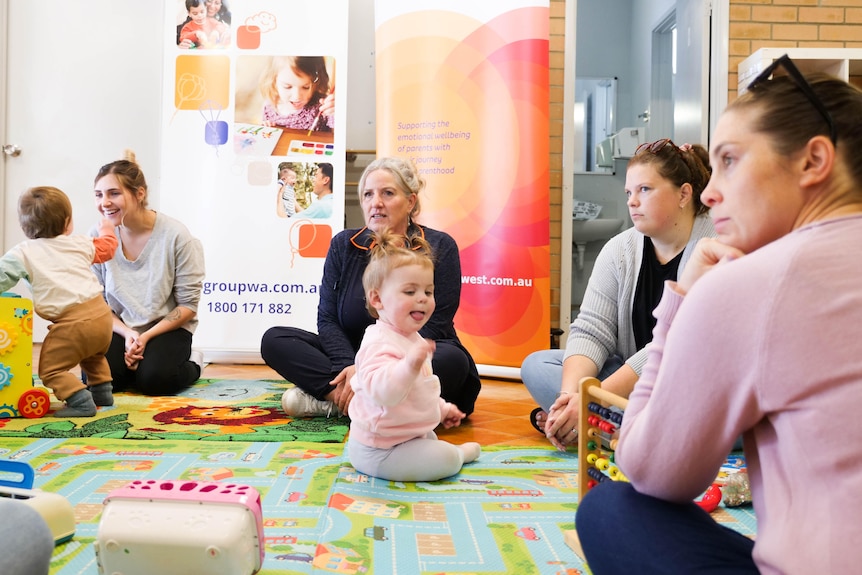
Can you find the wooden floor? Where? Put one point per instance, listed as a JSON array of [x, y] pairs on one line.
[[502, 415]]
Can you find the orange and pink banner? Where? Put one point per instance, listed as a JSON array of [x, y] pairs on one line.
[[463, 90]]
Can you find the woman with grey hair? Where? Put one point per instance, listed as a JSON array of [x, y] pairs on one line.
[[321, 365]]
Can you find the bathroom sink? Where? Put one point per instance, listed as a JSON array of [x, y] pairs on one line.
[[584, 231]]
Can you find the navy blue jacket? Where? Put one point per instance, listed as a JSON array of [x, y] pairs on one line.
[[342, 316]]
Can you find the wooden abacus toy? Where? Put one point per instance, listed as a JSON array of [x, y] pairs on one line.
[[597, 425]]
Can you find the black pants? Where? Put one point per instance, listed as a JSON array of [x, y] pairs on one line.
[[298, 357], [622, 531], [165, 369]]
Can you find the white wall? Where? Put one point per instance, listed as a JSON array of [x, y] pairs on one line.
[[361, 105], [92, 70], [86, 50], [604, 30]]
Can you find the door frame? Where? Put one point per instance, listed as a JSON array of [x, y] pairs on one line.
[[4, 27], [719, 55], [718, 72], [568, 191]]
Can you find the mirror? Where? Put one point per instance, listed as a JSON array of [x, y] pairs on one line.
[[595, 120]]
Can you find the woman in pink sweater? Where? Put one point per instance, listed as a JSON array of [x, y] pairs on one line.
[[779, 360]]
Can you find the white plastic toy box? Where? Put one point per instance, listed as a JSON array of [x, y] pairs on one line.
[[16, 482], [180, 527]]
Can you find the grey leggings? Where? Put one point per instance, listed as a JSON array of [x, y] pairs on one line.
[[422, 459]]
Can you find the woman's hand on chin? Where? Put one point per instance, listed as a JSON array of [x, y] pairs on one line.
[[708, 253]]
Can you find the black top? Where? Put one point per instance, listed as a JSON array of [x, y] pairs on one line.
[[648, 291]]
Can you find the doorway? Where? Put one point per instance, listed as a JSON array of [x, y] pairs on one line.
[[702, 73]]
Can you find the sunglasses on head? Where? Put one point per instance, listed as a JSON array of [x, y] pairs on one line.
[[801, 83], [657, 146]]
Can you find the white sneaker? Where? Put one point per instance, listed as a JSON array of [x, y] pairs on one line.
[[297, 403], [197, 357]]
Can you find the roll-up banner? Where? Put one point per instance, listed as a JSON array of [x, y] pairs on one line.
[[463, 90], [254, 108]]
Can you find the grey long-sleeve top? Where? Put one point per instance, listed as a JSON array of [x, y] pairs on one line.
[[168, 273]]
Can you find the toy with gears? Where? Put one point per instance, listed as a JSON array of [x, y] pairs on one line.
[[8, 338], [18, 396]]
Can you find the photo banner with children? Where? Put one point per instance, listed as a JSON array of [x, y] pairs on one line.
[[463, 90], [253, 157]]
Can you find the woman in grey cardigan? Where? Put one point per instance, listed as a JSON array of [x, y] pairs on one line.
[[608, 338]]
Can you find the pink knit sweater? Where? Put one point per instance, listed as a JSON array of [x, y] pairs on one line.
[[767, 346], [391, 405]]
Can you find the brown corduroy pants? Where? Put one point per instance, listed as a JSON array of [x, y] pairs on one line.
[[81, 336]]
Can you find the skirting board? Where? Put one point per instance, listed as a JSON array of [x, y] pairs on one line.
[[253, 357]]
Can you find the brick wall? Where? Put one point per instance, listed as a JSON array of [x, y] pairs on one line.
[[756, 24]]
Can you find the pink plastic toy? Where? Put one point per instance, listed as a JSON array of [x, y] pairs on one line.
[[181, 527]]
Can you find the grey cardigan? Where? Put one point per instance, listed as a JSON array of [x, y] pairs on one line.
[[604, 324]]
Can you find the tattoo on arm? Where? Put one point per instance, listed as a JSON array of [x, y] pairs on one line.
[[174, 315]]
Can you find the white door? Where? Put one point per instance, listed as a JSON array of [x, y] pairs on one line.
[[691, 88], [679, 102], [83, 80]]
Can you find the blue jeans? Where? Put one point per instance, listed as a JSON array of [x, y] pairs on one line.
[[542, 373], [623, 531]]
